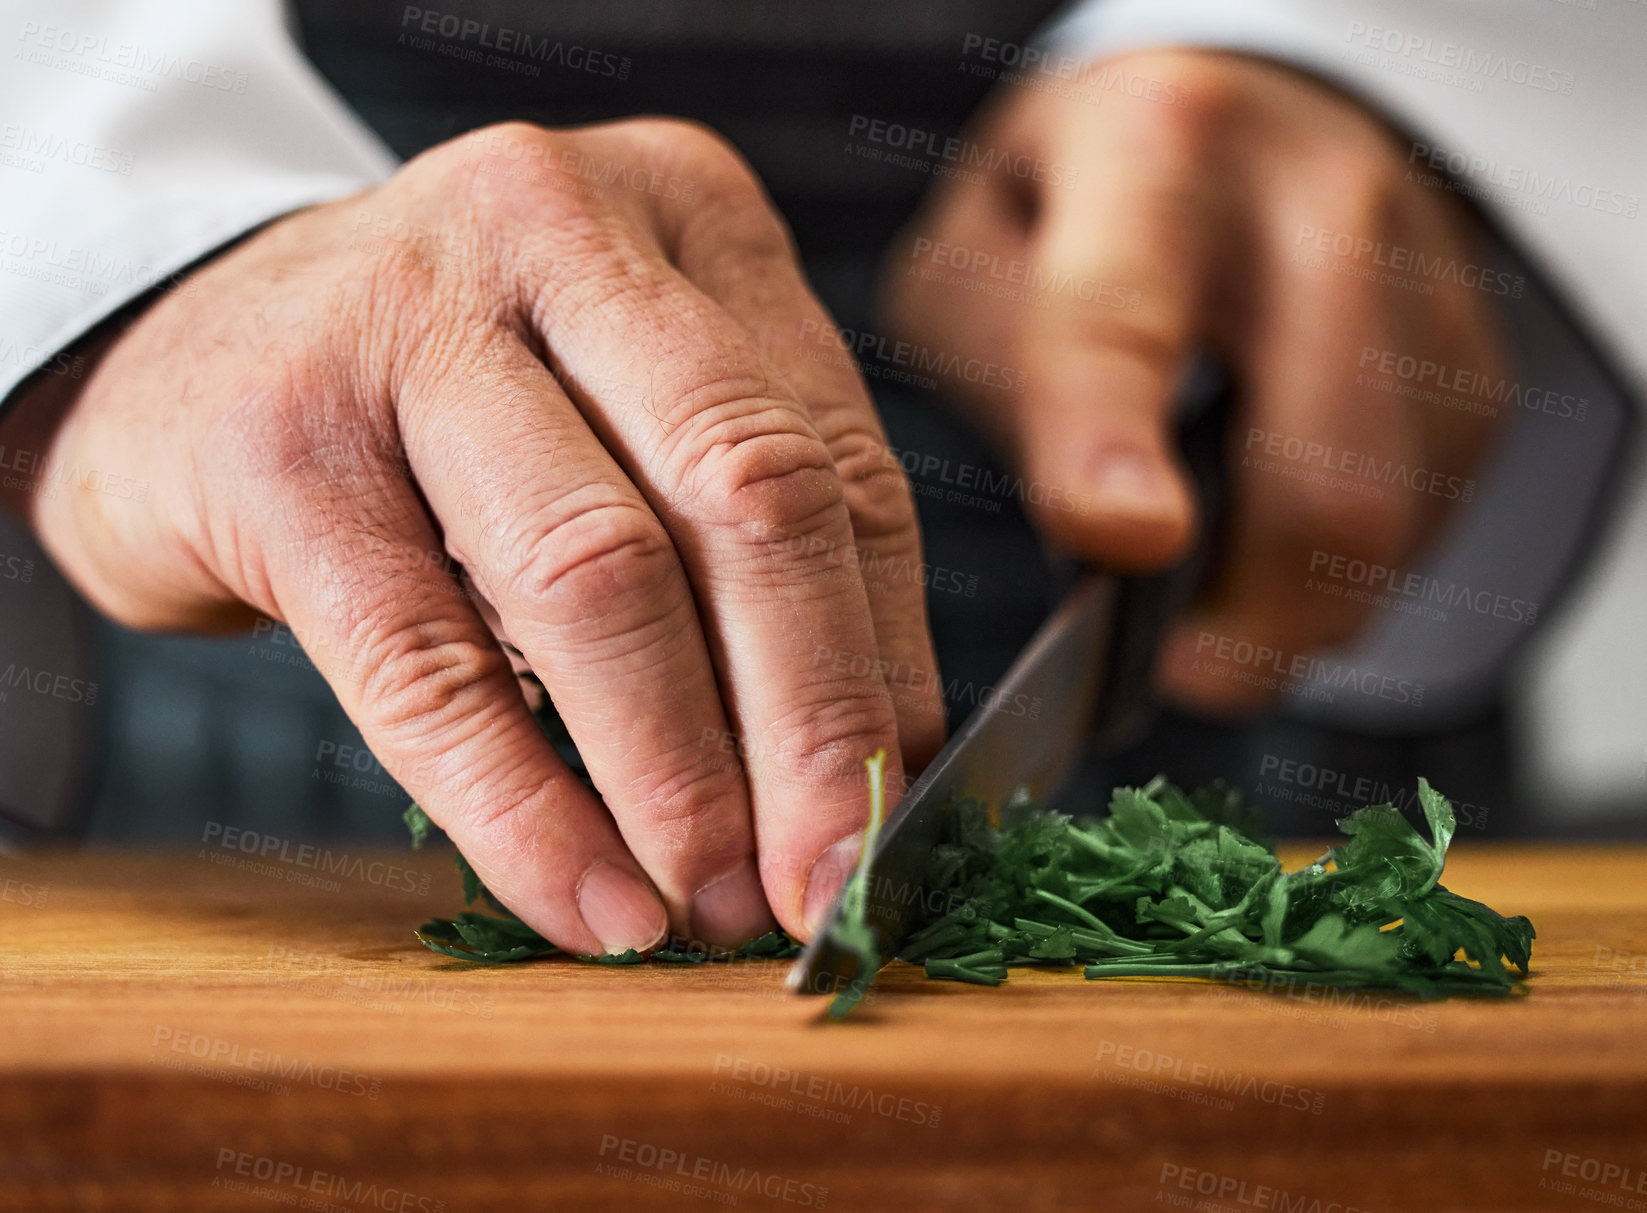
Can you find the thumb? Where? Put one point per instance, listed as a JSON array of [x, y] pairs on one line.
[[1123, 266]]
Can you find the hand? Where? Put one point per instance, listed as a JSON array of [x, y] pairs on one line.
[[564, 359], [1235, 207]]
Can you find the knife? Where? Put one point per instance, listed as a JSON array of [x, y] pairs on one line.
[[1083, 679]]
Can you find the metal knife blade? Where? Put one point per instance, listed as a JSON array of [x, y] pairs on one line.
[[1084, 678], [1029, 735]]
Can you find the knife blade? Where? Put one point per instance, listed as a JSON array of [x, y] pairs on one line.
[[1084, 678]]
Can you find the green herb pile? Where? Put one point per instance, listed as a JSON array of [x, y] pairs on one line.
[[1169, 884], [1165, 884]]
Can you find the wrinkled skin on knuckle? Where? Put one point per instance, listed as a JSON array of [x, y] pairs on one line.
[[877, 489], [426, 679], [700, 152], [824, 738], [583, 566], [501, 213], [758, 475], [685, 795]]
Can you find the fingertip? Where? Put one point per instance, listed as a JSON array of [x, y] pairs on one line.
[[620, 909], [823, 882], [732, 909], [1131, 512]]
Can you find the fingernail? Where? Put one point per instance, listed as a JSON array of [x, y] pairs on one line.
[[732, 910], [1132, 484], [829, 873], [621, 911]]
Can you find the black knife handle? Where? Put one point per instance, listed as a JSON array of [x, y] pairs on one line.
[[1145, 607]]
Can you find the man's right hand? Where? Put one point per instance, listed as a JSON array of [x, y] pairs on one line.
[[568, 360]]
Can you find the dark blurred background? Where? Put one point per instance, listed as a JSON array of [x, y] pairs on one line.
[[246, 729]]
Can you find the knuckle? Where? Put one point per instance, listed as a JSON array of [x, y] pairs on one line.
[[826, 740], [877, 490], [516, 130], [693, 801], [420, 675], [516, 141], [755, 470], [580, 564], [1213, 99], [512, 826], [728, 195], [705, 150]]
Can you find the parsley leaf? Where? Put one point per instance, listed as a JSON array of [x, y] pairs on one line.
[[1165, 884]]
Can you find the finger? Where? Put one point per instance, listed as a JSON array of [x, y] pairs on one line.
[[1314, 484], [1128, 259], [415, 668], [729, 459], [587, 584], [1333, 472], [740, 255]]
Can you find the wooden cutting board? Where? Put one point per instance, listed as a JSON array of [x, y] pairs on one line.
[[177, 1034]]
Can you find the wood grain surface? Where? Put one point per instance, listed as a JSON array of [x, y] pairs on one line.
[[181, 1034]]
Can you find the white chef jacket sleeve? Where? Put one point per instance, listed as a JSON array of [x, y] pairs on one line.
[[137, 137], [1534, 110]]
